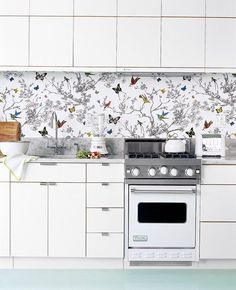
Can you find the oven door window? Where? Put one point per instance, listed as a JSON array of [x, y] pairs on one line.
[[162, 212]]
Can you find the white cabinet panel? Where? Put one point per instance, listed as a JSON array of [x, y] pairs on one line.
[[183, 8], [4, 173], [28, 220], [4, 219], [14, 7], [95, 8], [54, 172], [138, 42], [217, 241], [183, 42], [218, 203], [14, 41], [220, 8], [105, 220], [105, 194], [95, 41], [51, 7], [218, 174], [105, 172], [51, 41], [139, 8], [67, 220], [105, 245], [220, 43]]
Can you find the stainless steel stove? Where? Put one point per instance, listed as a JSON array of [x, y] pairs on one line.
[[162, 200]]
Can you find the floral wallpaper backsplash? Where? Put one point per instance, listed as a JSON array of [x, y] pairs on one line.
[[154, 105]]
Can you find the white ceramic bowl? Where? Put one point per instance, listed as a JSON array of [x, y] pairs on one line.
[[12, 148]]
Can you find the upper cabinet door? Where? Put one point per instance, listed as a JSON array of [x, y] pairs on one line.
[[183, 8], [51, 7], [14, 7], [95, 42], [14, 41], [95, 8], [138, 42], [183, 42], [220, 8], [139, 8], [221, 43], [51, 41]]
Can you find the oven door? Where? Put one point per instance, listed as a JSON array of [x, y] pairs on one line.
[[162, 216]]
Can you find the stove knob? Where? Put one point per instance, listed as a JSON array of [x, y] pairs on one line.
[[189, 172], [164, 170], [152, 171], [135, 171], [174, 172]]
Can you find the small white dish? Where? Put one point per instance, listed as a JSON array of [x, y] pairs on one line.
[[14, 147]]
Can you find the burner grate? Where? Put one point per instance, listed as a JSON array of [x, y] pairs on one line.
[[178, 155]]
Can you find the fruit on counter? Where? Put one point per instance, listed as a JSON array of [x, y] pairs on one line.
[[81, 154], [95, 155]]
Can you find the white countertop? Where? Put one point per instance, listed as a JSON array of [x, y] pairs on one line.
[[228, 160]]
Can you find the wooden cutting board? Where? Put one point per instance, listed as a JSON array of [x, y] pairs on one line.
[[10, 131]]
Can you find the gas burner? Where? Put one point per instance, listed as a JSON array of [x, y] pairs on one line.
[[178, 155], [144, 155]]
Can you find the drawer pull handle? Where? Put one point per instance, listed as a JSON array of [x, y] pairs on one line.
[[48, 163], [52, 183], [105, 234], [105, 184], [105, 208], [105, 164], [43, 183]]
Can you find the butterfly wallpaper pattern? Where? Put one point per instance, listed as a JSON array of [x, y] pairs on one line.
[[154, 105]]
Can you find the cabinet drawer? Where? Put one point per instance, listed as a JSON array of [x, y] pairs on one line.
[[105, 172], [105, 194], [105, 220], [55, 172], [217, 241], [218, 203], [218, 174], [105, 245], [4, 173]]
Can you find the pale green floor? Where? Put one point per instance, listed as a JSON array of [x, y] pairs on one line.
[[118, 280]]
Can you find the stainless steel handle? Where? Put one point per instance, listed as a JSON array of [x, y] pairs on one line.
[[105, 164], [105, 234], [52, 183], [133, 190], [48, 163], [105, 208], [43, 183], [105, 183]]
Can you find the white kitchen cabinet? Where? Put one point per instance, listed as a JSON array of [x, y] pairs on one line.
[[139, 8], [95, 8], [4, 219], [220, 43], [51, 7], [220, 8], [95, 42], [67, 220], [218, 203], [105, 245], [51, 41], [191, 8], [138, 42], [217, 241], [218, 174], [14, 41], [14, 7], [28, 220], [183, 42], [105, 172], [4, 173]]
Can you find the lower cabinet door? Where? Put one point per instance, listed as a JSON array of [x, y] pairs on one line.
[[218, 240], [105, 245], [67, 220], [28, 220], [4, 220]]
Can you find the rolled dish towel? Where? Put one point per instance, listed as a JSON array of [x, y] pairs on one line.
[[16, 164]]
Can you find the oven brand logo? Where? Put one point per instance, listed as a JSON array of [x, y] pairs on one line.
[[140, 238]]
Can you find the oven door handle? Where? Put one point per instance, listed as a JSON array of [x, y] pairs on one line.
[[184, 191]]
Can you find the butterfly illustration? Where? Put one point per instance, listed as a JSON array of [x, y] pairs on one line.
[[163, 91], [207, 124], [87, 74], [118, 89], [107, 105], [188, 78], [134, 81], [140, 123], [109, 131], [11, 79], [84, 123], [162, 116], [184, 88], [36, 88], [16, 90], [44, 132], [158, 80], [113, 120], [16, 115], [60, 124], [214, 80], [232, 123], [219, 110], [190, 133], [66, 79], [72, 109], [40, 76], [89, 134], [144, 98]]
